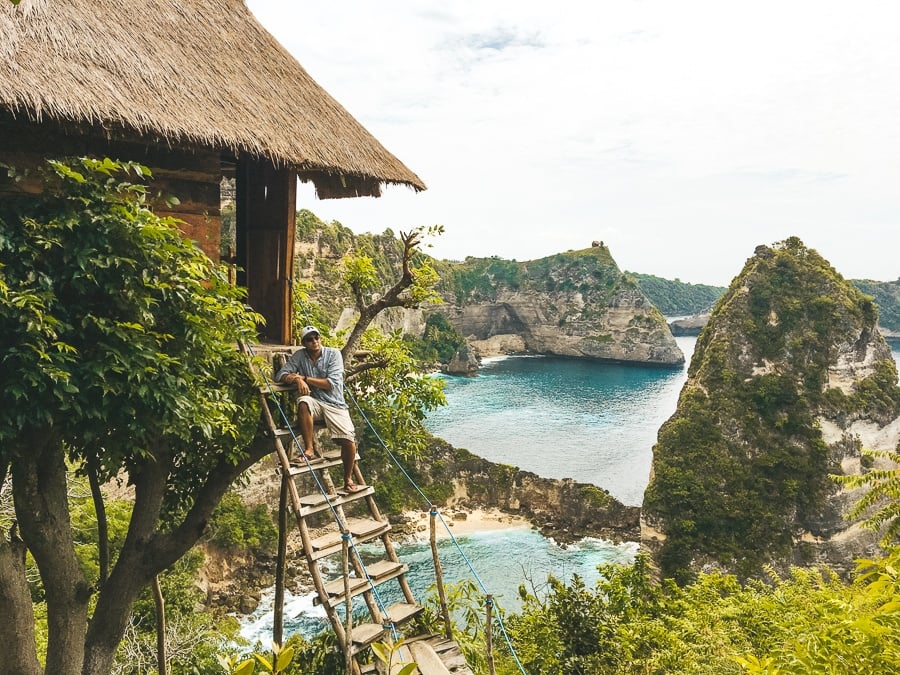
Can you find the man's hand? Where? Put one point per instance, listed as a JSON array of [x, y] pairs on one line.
[[300, 381]]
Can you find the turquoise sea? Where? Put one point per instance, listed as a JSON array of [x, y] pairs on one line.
[[564, 418], [497, 562], [558, 418]]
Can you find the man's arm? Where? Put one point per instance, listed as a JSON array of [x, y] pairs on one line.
[[334, 373], [290, 367], [290, 373]]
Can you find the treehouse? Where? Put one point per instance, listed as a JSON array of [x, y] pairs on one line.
[[199, 92]]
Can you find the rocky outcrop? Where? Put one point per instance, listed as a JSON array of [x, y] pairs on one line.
[[463, 362], [576, 304], [562, 509], [788, 380], [691, 325]]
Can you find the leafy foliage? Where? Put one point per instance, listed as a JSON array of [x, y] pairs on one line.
[[809, 622], [235, 527], [887, 296], [439, 342], [117, 338], [396, 397], [102, 306], [675, 297], [881, 502]]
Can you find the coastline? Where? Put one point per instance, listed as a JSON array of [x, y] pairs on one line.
[[464, 521]]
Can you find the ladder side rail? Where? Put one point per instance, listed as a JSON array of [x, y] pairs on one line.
[[389, 549]]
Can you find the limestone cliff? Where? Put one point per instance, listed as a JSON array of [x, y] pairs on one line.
[[576, 304], [562, 509], [788, 379]]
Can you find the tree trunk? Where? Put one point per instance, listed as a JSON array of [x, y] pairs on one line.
[[102, 524], [17, 652], [146, 552], [42, 508]]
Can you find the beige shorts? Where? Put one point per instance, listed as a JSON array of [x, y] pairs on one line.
[[337, 420]]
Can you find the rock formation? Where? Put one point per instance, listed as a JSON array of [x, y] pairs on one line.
[[691, 325], [563, 509], [463, 362], [788, 379], [576, 304]]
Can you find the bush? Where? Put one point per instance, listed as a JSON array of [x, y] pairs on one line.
[[235, 527]]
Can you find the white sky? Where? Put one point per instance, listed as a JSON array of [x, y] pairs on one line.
[[683, 134]]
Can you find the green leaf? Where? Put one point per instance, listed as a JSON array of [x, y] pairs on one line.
[[244, 668], [264, 661], [382, 651], [285, 656], [407, 669]]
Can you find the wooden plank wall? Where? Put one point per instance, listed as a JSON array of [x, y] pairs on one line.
[[190, 174]]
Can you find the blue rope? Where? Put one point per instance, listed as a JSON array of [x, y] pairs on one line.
[[434, 509]]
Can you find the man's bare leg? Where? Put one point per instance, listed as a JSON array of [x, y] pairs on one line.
[[306, 430], [348, 457]]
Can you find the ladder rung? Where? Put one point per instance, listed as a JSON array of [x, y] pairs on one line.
[[365, 634], [387, 572], [299, 466], [319, 505], [381, 568], [401, 612], [276, 387], [336, 588], [362, 529]]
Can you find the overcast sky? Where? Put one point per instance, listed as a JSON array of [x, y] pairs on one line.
[[682, 134]]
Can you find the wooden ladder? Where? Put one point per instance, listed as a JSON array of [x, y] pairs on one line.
[[326, 519]]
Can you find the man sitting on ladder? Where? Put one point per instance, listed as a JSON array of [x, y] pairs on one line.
[[318, 373]]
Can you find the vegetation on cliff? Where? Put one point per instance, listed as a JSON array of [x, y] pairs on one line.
[[592, 272], [887, 297], [674, 297], [742, 464]]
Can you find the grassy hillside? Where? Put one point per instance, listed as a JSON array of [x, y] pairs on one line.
[[887, 297], [675, 297]]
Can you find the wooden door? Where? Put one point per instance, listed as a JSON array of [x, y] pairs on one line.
[[266, 213]]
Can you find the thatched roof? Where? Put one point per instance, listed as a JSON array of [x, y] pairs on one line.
[[187, 71]]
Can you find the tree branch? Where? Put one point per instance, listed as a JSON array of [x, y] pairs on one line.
[[392, 298], [358, 368]]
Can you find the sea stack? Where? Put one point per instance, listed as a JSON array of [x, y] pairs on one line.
[[789, 379]]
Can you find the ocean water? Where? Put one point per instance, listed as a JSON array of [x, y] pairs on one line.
[[564, 418], [497, 562]]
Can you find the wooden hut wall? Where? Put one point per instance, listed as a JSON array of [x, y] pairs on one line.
[[191, 175]]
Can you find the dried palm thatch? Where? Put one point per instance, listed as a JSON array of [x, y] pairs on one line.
[[185, 71]]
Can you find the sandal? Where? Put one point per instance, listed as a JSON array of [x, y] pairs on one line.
[[350, 488]]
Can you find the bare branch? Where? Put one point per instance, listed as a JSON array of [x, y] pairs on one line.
[[392, 298], [358, 368]]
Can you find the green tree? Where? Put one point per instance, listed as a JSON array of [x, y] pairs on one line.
[[118, 352]]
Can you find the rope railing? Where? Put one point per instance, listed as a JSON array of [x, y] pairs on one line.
[[433, 508]]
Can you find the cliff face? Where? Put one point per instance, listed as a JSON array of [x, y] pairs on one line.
[[576, 304], [562, 509], [789, 378]]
